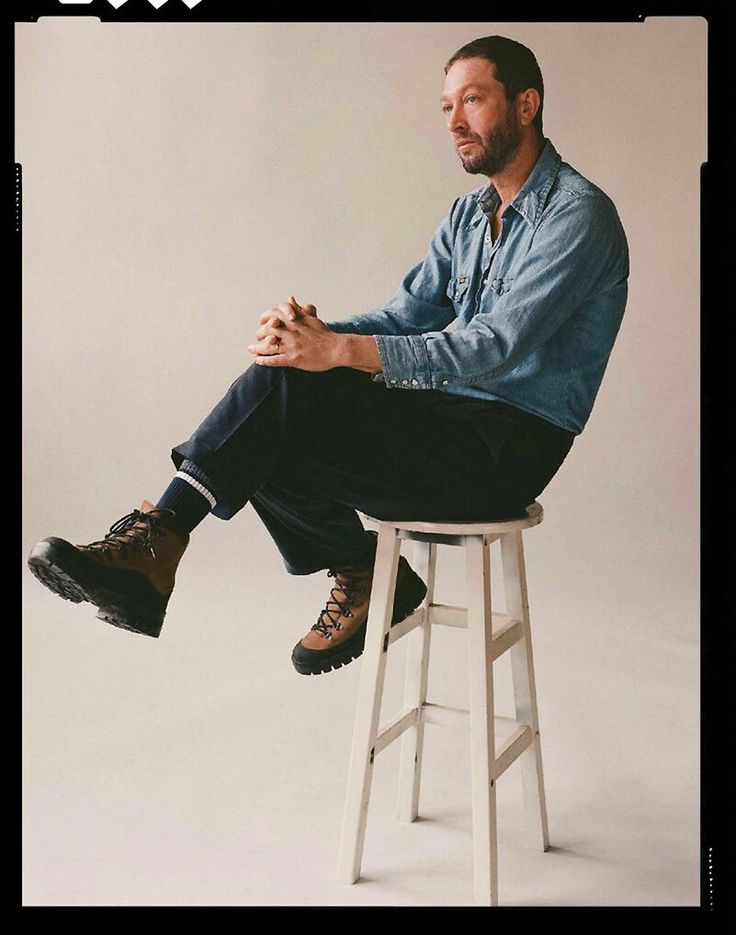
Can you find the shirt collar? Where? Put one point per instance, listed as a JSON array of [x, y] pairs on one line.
[[529, 200]]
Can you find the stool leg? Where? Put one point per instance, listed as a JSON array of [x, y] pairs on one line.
[[415, 687], [482, 725], [368, 708], [525, 693]]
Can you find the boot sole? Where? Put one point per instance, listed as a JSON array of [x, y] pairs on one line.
[[417, 591], [69, 584]]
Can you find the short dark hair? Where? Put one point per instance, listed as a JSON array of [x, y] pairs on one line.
[[514, 66]]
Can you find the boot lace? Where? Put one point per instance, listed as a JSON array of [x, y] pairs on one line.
[[346, 582], [134, 530]]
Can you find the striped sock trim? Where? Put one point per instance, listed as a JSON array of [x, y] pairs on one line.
[[197, 486], [195, 471]]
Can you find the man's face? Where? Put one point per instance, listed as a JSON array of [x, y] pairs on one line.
[[482, 122]]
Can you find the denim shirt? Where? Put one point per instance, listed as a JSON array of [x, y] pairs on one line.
[[534, 314]]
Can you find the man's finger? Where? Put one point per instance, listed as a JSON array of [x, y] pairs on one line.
[[281, 332], [296, 308], [265, 345], [281, 312], [269, 326], [291, 310], [271, 360], [287, 312]]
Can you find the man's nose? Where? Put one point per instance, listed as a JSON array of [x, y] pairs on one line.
[[456, 120]]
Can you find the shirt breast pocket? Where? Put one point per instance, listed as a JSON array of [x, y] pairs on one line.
[[457, 288]]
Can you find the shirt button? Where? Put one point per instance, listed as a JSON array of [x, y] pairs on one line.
[[488, 238], [445, 382]]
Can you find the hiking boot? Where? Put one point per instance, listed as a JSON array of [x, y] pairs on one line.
[[128, 575], [338, 636]]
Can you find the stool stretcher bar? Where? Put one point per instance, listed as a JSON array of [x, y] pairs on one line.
[[506, 630], [521, 734]]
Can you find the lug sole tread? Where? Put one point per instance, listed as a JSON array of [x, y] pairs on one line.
[[57, 580]]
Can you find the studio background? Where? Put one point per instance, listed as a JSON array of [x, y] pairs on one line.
[[179, 180]]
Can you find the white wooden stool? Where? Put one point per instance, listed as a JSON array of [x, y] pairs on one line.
[[489, 635]]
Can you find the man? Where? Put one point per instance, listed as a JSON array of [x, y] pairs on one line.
[[530, 270]]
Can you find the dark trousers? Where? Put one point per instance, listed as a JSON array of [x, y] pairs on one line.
[[307, 449]]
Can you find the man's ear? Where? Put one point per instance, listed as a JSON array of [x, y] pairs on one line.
[[527, 106]]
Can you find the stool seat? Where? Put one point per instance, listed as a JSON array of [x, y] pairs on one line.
[[534, 514], [489, 635]]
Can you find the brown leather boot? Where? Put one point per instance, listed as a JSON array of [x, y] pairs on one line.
[[338, 636], [129, 575]]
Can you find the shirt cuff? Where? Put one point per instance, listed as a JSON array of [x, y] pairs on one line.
[[404, 360]]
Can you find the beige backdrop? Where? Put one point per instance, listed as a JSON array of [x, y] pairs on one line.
[[179, 180]]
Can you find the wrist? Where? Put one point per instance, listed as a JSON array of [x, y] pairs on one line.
[[358, 351]]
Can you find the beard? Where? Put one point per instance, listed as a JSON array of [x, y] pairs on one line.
[[497, 149]]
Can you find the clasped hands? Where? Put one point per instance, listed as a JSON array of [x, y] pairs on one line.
[[291, 335]]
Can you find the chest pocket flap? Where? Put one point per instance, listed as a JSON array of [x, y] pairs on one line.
[[457, 287]]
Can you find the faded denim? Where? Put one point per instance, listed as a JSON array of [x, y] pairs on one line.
[[536, 313]]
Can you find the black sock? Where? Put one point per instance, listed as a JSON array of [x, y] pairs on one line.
[[190, 495]]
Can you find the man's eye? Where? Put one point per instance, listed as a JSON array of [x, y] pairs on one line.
[[471, 97]]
